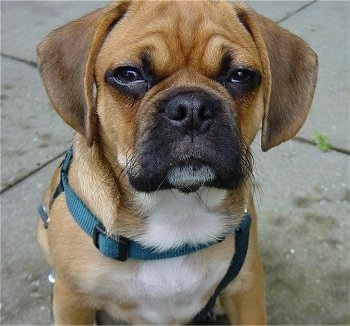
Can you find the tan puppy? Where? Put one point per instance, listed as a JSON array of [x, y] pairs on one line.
[[166, 98]]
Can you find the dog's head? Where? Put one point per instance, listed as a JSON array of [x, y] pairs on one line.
[[175, 91]]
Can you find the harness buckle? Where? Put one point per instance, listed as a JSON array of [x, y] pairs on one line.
[[123, 248], [44, 216], [98, 229], [123, 243]]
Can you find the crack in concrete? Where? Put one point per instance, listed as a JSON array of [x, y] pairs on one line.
[[295, 12], [28, 62], [332, 147], [30, 173]]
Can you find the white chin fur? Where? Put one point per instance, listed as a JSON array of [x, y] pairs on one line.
[[174, 218], [188, 176]]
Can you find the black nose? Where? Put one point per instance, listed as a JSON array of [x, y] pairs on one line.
[[192, 110]]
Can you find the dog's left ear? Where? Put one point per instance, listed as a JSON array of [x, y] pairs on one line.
[[289, 76], [66, 60]]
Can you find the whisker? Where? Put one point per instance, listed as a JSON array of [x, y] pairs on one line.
[[160, 183]]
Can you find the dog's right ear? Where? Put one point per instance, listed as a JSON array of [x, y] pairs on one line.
[[66, 59]]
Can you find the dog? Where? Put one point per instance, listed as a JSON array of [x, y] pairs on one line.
[[150, 217]]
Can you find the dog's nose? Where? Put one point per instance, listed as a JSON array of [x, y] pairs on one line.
[[192, 111]]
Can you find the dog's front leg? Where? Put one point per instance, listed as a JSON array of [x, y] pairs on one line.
[[247, 306], [69, 307]]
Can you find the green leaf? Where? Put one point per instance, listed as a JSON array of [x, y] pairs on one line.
[[321, 141]]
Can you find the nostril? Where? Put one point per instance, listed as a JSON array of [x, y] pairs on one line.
[[177, 113], [205, 112]]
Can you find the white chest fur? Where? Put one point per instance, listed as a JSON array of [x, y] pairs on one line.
[[174, 289], [170, 291], [174, 218]]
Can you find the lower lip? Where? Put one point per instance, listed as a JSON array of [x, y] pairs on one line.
[[190, 175]]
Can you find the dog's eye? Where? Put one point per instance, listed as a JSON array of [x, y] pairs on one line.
[[242, 76], [241, 81], [128, 81], [128, 75]]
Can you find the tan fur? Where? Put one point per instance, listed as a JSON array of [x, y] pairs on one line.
[[185, 39]]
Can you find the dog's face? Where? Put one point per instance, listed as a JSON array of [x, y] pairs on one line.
[[173, 97], [181, 88]]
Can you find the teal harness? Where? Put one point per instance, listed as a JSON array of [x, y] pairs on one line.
[[121, 248]]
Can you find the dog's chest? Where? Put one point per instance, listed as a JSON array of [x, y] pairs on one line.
[[179, 289], [172, 290]]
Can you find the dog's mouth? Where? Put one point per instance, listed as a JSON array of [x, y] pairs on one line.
[[187, 175], [158, 166], [190, 174]]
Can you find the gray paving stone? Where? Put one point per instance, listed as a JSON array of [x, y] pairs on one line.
[[31, 132], [25, 292], [303, 204], [277, 10], [25, 23], [325, 26]]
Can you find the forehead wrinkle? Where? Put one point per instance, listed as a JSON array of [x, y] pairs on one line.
[[201, 35], [185, 33], [204, 54], [188, 45], [177, 22]]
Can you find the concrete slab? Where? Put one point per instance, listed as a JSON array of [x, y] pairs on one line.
[[277, 10], [329, 36], [25, 292], [304, 211], [31, 131], [25, 23]]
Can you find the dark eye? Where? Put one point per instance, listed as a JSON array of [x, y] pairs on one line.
[[242, 76], [128, 75], [128, 81], [241, 81]]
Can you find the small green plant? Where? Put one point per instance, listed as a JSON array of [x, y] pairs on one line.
[[321, 141]]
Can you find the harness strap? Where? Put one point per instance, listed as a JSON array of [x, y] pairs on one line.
[[241, 247]]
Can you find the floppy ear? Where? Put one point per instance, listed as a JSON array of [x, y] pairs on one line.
[[66, 59], [290, 73]]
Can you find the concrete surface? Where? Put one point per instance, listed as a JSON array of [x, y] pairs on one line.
[[303, 194]]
